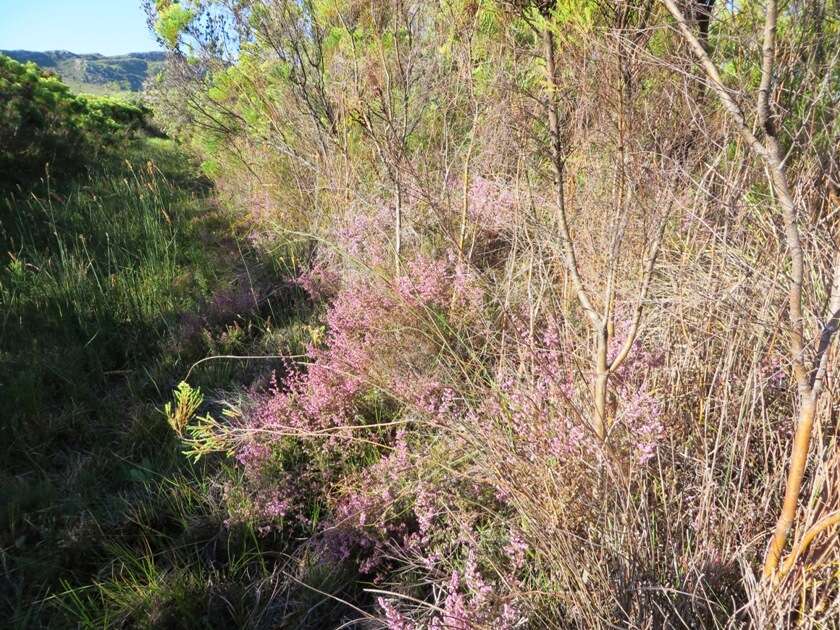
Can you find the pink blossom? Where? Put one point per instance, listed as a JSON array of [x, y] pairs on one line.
[[394, 618]]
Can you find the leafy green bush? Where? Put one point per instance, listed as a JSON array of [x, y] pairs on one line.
[[43, 123]]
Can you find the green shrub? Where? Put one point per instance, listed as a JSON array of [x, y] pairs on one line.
[[44, 126]]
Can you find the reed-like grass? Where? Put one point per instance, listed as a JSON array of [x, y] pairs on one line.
[[111, 287]]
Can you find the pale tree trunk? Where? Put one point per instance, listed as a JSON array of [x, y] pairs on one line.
[[398, 226], [600, 325], [599, 390]]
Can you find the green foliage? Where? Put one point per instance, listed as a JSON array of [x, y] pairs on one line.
[[207, 436], [188, 400], [114, 115], [42, 123], [201, 435], [171, 21]]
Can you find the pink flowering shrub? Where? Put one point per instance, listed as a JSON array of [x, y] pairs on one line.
[[492, 204], [357, 241], [374, 449], [375, 349], [363, 234], [410, 522], [545, 405], [639, 413], [319, 281], [307, 445]]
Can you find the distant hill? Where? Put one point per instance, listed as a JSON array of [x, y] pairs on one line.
[[96, 74]]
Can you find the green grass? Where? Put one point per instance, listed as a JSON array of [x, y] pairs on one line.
[[95, 276], [103, 521]]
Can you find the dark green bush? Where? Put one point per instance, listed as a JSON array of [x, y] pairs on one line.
[[44, 125]]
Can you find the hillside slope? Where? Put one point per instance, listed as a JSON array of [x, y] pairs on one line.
[[94, 73]]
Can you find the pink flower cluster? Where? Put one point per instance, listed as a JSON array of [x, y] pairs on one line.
[[363, 233], [468, 602], [372, 344], [639, 414], [537, 398], [492, 204], [319, 281]]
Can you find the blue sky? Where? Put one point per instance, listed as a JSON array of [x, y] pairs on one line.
[[109, 27]]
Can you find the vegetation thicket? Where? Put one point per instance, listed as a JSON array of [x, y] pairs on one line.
[[43, 124], [578, 271], [498, 314]]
